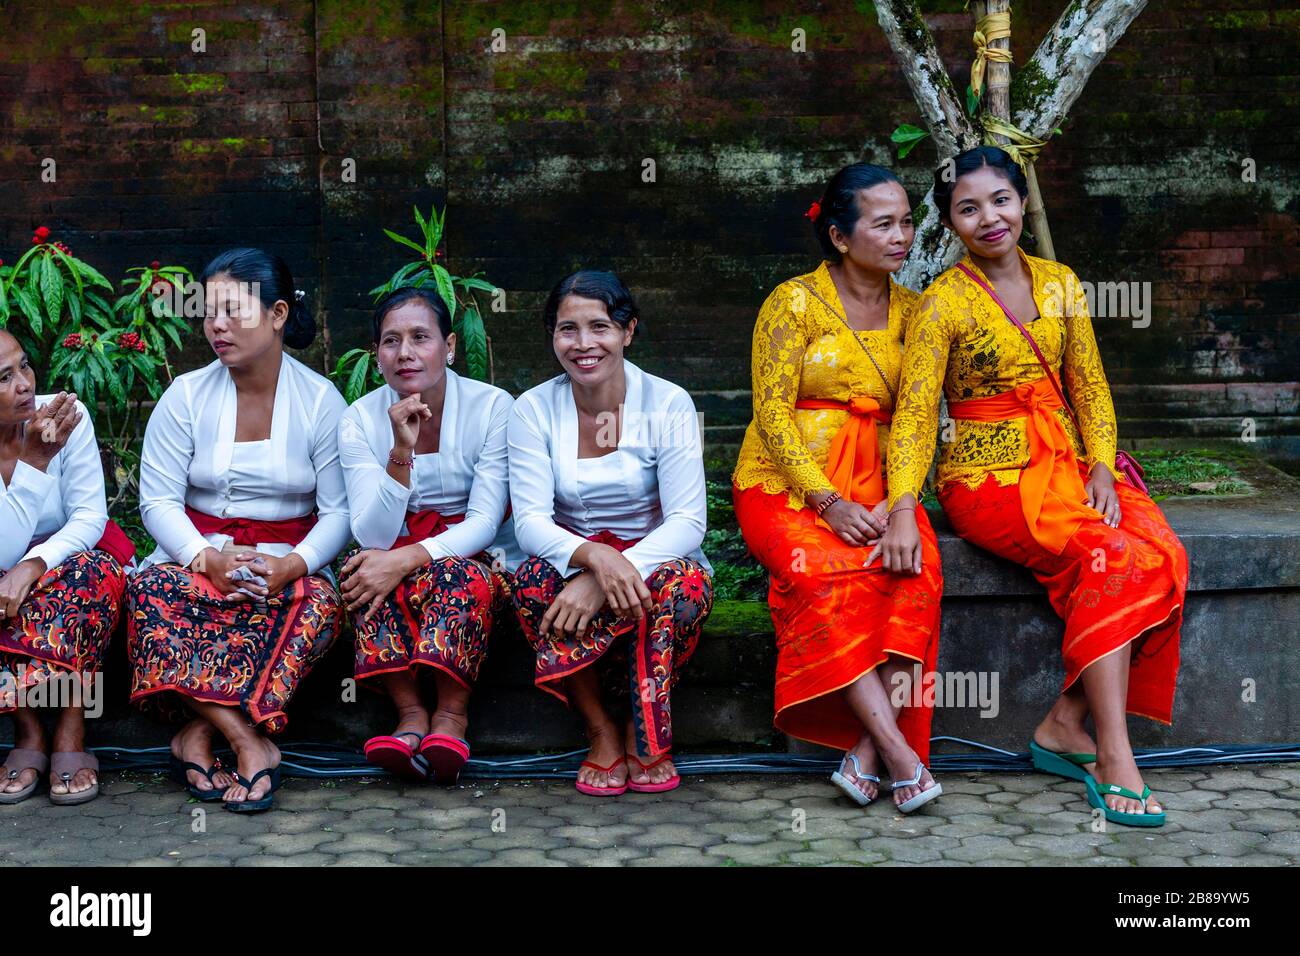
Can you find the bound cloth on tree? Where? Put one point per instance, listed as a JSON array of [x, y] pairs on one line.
[[1125, 463]]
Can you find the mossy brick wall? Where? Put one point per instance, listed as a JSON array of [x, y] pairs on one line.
[[169, 154]]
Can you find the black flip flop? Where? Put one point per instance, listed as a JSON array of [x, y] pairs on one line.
[[256, 806], [180, 767]]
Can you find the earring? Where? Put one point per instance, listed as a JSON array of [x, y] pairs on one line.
[[842, 249], [451, 357]]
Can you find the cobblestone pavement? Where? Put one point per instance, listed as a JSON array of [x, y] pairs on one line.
[[1221, 816]]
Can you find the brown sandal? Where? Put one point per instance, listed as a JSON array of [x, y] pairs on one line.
[[18, 761], [66, 766]]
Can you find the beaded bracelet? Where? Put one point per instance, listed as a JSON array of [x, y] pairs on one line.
[[830, 499], [408, 463]]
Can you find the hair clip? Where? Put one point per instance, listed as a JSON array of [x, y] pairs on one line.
[[298, 294]]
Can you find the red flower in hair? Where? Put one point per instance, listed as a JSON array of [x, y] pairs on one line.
[[814, 210], [155, 265], [42, 233]]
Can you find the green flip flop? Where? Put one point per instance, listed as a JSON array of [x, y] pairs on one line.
[[1098, 791], [1065, 765]]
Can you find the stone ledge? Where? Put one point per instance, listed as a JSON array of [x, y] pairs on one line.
[[1238, 682]]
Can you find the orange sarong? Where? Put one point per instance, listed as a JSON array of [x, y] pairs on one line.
[[1109, 585], [1052, 496], [836, 620]]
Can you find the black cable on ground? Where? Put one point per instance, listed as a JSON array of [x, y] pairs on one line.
[[329, 762]]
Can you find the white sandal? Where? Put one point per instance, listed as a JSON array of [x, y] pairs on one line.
[[840, 780], [922, 798]]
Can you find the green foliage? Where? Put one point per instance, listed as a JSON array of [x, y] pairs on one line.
[[108, 350], [356, 373], [356, 368], [905, 137], [1174, 472]]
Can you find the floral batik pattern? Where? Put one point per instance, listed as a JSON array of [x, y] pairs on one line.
[[642, 661], [438, 616], [185, 640], [63, 626]]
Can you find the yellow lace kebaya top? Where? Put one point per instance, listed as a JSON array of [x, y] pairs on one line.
[[961, 340], [802, 350]]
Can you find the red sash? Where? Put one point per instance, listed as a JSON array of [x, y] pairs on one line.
[[425, 524], [116, 543], [250, 531], [603, 537]]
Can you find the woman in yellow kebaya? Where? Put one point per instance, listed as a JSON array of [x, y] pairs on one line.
[[810, 497], [1022, 479]]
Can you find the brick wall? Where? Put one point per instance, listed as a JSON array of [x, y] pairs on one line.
[[170, 154]]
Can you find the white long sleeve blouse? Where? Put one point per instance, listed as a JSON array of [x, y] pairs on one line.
[[190, 457], [650, 487], [53, 514], [467, 475]]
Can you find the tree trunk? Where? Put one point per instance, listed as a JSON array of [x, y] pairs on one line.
[[1043, 90]]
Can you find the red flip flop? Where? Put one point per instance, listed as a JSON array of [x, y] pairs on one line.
[[672, 783], [446, 756], [391, 753], [591, 791]]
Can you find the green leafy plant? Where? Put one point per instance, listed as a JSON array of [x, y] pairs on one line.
[[108, 351], [355, 372]]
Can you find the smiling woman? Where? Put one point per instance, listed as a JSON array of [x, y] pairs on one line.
[[613, 517], [1029, 480]]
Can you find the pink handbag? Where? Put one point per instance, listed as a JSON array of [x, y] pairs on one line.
[[1125, 463]]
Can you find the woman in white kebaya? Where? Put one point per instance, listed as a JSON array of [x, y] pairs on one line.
[[424, 458], [61, 580], [607, 483], [240, 485]]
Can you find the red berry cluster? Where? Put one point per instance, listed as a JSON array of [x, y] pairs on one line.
[[130, 340], [72, 340]]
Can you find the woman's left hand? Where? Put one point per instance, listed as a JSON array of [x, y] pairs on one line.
[[278, 573], [367, 578], [1102, 494], [15, 586]]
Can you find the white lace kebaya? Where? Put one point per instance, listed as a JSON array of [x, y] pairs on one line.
[[467, 475], [55, 513], [190, 457], [650, 487]]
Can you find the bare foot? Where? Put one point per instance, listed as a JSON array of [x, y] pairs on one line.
[[1122, 769], [70, 737], [1066, 737], [253, 753], [640, 774], [412, 725], [28, 735], [449, 722], [869, 761], [606, 748], [901, 763], [193, 744]]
